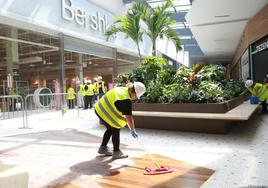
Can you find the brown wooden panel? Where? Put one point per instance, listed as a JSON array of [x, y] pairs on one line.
[[184, 124], [185, 175]]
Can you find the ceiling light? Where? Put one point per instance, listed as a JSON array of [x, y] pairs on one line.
[[29, 60], [222, 16], [69, 61], [219, 40]]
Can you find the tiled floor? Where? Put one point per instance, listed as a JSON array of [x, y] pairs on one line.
[[239, 158]]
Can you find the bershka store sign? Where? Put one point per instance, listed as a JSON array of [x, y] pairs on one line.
[[94, 20]]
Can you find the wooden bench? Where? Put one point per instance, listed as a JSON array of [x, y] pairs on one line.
[[12, 176], [197, 122]]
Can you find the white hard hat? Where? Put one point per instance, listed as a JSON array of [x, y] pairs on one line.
[[248, 83], [99, 78], [140, 89], [89, 81]]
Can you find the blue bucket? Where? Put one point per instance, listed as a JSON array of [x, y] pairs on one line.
[[254, 100]]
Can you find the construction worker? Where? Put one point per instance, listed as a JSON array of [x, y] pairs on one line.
[[95, 90], [266, 87], [258, 89], [12, 101], [89, 93], [100, 88], [115, 111], [80, 95], [70, 96]]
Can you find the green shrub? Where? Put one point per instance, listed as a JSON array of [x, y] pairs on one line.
[[165, 85], [148, 70]]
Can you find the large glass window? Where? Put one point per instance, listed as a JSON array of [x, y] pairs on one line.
[[32, 59]]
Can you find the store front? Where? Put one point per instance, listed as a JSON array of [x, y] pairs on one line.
[[32, 59], [260, 59], [56, 43]]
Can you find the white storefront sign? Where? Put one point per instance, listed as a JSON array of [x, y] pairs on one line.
[[262, 46], [88, 20]]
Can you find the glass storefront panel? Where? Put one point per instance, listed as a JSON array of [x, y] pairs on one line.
[[32, 59], [125, 62]]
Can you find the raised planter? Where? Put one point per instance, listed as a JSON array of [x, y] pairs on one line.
[[186, 124]]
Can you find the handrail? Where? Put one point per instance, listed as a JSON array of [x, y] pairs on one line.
[[60, 102], [10, 100]]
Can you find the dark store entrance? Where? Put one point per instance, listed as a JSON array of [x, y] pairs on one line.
[[260, 59]]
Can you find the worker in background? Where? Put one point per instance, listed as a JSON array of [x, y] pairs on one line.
[[115, 111], [95, 99], [258, 89], [80, 94], [70, 96], [89, 93], [264, 103], [12, 101], [100, 87]]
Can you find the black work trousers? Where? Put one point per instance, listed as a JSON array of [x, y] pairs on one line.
[[264, 106], [70, 103], [88, 100], [110, 132]]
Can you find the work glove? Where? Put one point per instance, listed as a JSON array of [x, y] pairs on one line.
[[134, 133]]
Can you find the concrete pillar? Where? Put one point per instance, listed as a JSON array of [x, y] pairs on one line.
[[12, 54], [62, 64], [115, 69], [80, 69]]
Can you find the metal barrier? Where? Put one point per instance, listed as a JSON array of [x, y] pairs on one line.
[[12, 106], [46, 102]]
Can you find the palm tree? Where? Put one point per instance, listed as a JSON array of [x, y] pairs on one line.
[[129, 24], [158, 21]]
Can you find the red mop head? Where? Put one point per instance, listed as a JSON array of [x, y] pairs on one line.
[[156, 171]]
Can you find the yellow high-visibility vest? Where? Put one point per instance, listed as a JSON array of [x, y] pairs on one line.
[[89, 91], [81, 90], [70, 93], [106, 109], [96, 87], [262, 90]]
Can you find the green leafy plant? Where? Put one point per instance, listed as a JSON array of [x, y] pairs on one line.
[[148, 70], [154, 92], [129, 24], [158, 21], [165, 85]]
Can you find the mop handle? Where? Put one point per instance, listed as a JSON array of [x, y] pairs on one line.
[[148, 154]]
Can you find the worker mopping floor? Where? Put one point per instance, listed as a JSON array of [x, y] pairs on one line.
[[154, 171]]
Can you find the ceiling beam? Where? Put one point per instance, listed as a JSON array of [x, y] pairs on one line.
[[29, 42]]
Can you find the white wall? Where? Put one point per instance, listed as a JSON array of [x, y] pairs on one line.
[[166, 47]]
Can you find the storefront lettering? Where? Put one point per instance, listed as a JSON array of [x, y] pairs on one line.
[[261, 47], [95, 21]]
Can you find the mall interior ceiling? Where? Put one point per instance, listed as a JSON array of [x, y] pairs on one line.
[[210, 29]]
